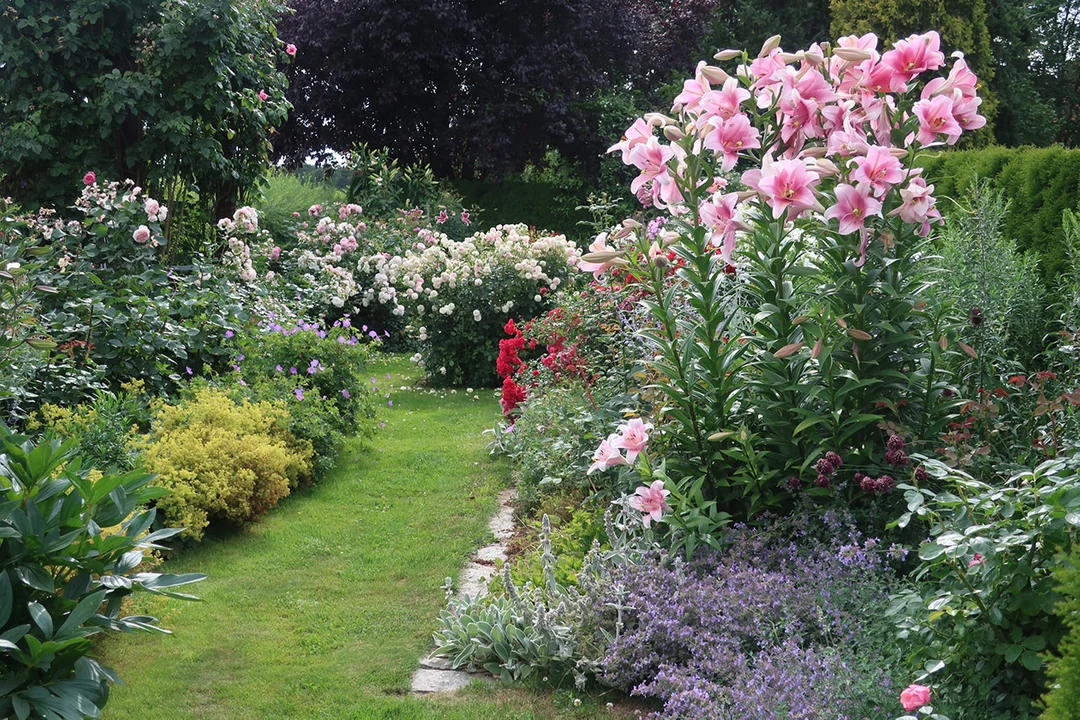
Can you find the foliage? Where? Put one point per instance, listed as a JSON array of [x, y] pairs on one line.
[[980, 608], [464, 86], [999, 290], [103, 429], [1039, 185], [223, 460], [778, 624], [286, 193], [156, 92], [63, 579], [1063, 699]]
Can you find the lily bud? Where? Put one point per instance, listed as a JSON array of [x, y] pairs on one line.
[[897, 152], [714, 74], [673, 133], [744, 195], [789, 58], [817, 206], [660, 261], [630, 223], [602, 256], [658, 119], [817, 350], [769, 45], [729, 54], [814, 152], [826, 167], [667, 237], [813, 57], [852, 55], [621, 233]]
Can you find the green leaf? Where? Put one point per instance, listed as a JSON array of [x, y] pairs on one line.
[[1031, 660], [929, 551], [85, 610], [41, 618]]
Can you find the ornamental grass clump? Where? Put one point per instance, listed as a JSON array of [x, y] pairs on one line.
[[223, 460]]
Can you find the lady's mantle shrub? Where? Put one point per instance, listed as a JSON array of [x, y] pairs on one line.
[[63, 578], [980, 611], [778, 625], [223, 460]]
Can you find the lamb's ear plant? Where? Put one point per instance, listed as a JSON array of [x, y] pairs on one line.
[[72, 549]]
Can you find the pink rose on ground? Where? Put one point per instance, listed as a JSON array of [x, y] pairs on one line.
[[650, 500], [89, 178], [914, 697], [141, 234], [633, 437], [606, 456], [290, 50], [263, 96]]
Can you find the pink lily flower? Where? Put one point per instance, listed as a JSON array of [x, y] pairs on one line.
[[730, 137], [650, 500], [651, 158], [785, 185], [936, 118], [853, 206], [606, 456], [690, 97], [877, 169], [913, 56], [725, 102], [966, 111], [597, 269], [720, 214], [917, 205], [635, 135], [633, 437]]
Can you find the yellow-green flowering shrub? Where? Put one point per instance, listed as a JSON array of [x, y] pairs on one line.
[[222, 460]]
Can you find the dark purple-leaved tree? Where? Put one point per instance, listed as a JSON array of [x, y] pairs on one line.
[[469, 86]]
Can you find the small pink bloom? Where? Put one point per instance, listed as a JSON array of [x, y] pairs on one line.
[[636, 134], [917, 205], [443, 217], [785, 184], [263, 96], [852, 208], [966, 111], [914, 697], [141, 234], [651, 158], [314, 210], [606, 456], [730, 137], [89, 178], [465, 217], [152, 207], [720, 214], [936, 118], [633, 437], [290, 50], [650, 500], [693, 90], [878, 170], [275, 253], [976, 559]]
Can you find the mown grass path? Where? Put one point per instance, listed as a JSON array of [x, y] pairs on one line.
[[323, 609]]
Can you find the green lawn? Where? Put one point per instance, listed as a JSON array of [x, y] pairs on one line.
[[323, 609]]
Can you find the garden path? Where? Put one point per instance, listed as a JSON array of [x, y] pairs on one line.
[[323, 609]]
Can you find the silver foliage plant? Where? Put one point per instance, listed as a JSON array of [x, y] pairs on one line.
[[551, 629]]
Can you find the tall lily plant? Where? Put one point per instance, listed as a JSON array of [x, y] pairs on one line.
[[785, 276]]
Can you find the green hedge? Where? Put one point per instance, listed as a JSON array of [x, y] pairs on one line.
[[1040, 183], [544, 206]]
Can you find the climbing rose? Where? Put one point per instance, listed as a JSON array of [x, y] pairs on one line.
[[914, 697], [262, 95], [89, 178], [290, 49], [633, 437], [141, 234], [650, 500]]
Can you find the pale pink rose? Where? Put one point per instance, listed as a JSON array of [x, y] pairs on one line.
[[275, 253], [633, 437], [263, 96], [141, 234], [290, 50], [89, 178], [914, 697], [152, 207], [651, 500], [606, 456]]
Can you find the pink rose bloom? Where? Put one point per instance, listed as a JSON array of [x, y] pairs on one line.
[[606, 456], [263, 96], [633, 437], [89, 178], [314, 210], [290, 50], [275, 253], [878, 170], [152, 207], [141, 234], [914, 697], [650, 500]]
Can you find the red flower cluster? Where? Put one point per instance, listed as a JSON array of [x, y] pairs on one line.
[[507, 364]]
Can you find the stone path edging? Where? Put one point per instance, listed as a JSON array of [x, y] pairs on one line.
[[435, 674]]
